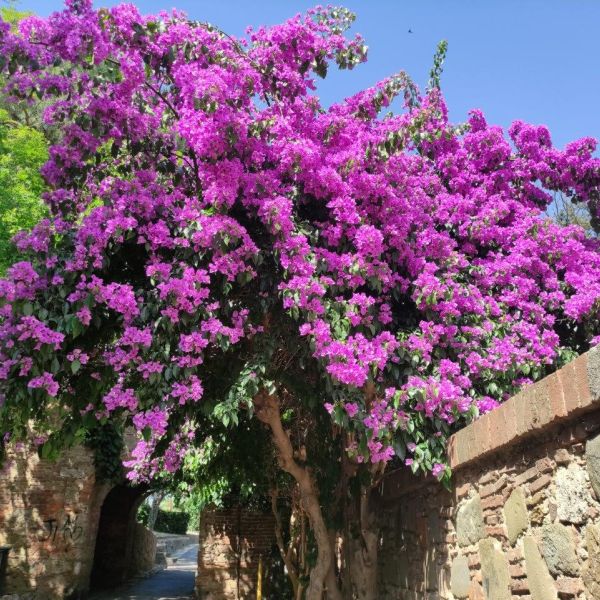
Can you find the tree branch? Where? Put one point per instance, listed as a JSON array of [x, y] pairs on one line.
[[268, 411]]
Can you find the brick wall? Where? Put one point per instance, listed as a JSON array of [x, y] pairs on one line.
[[49, 514], [231, 543], [523, 517]]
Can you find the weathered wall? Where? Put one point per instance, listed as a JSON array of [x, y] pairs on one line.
[[144, 551], [231, 543], [49, 514], [67, 530], [523, 517]]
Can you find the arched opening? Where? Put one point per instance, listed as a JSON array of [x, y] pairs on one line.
[[114, 552]]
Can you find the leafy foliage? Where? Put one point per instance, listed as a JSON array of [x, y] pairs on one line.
[[23, 150], [106, 442], [167, 521], [215, 232]]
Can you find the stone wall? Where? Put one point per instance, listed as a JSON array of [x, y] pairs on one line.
[[49, 514], [523, 517], [231, 543], [68, 531], [144, 551]]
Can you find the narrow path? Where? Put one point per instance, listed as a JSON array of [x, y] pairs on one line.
[[173, 583]]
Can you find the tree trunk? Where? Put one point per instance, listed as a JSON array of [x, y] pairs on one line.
[[361, 527], [283, 551], [360, 549], [157, 498], [333, 591], [267, 410]]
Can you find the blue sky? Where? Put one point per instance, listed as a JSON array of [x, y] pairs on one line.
[[534, 60]]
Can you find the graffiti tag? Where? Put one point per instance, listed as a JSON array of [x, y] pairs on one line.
[[67, 528]]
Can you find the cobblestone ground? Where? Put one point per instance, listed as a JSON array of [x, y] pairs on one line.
[[174, 583]]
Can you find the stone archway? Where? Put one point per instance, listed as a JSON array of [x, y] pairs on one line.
[[114, 555]]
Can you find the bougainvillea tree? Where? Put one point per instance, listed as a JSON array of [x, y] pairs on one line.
[[222, 246]]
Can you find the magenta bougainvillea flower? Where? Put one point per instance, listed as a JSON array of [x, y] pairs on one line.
[[201, 195]]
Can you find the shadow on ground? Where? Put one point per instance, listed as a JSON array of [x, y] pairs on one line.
[[174, 583]]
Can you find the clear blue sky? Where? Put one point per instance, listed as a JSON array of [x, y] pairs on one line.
[[535, 60]]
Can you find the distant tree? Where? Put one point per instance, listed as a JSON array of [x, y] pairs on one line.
[[23, 150], [568, 212], [154, 501]]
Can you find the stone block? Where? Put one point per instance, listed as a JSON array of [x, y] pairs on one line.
[[558, 549], [541, 584], [469, 522], [515, 515], [572, 496], [592, 457], [593, 372], [144, 551], [494, 571], [562, 456], [460, 578], [591, 573]]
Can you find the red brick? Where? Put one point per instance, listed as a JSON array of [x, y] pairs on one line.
[[569, 587], [474, 561], [516, 571], [514, 555], [567, 378], [487, 477], [468, 441], [503, 424], [480, 431], [540, 483], [453, 453], [542, 414], [557, 396], [524, 412], [544, 465], [519, 586], [526, 476], [580, 366], [497, 532], [492, 502], [493, 488]]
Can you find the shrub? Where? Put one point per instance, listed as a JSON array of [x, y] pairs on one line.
[[167, 521]]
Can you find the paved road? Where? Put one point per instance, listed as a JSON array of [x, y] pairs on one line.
[[174, 583]]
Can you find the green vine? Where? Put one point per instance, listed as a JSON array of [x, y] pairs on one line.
[[106, 442]]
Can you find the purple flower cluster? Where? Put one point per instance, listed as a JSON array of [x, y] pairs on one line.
[[45, 382], [198, 179]]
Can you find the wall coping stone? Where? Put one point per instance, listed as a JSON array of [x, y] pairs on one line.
[[560, 397]]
